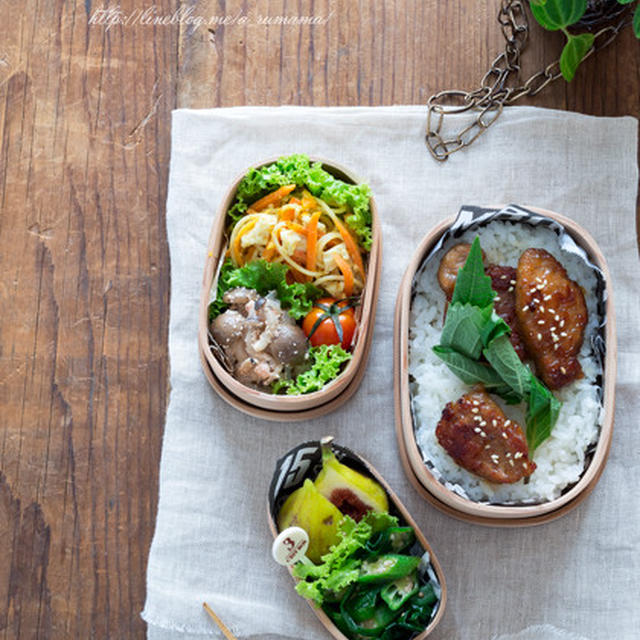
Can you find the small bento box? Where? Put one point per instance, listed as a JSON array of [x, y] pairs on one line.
[[504, 372], [290, 288], [356, 554]]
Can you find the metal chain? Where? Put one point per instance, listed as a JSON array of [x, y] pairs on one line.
[[499, 85]]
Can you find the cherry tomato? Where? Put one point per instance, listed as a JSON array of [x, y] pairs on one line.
[[330, 321]]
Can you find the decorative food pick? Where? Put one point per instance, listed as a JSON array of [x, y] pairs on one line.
[[290, 546]]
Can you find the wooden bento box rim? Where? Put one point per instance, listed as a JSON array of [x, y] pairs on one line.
[[322, 616], [335, 392], [415, 468]]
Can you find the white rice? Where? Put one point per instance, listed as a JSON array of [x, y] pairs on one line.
[[560, 459]]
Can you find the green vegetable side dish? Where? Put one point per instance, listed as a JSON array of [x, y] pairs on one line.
[[366, 588], [295, 234], [475, 346]]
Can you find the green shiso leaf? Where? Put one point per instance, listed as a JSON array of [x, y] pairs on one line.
[[573, 53], [463, 328], [298, 169], [542, 413], [501, 355], [473, 372], [263, 276], [473, 286], [558, 14], [636, 21], [326, 363]]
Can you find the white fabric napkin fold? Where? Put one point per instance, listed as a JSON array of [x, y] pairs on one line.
[[578, 574]]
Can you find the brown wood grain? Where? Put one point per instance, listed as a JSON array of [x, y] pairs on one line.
[[84, 262]]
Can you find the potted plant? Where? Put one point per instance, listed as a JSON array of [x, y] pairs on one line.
[[570, 16]]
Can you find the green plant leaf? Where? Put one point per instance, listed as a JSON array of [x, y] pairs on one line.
[[542, 413], [502, 357], [625, 1], [473, 372], [573, 53], [473, 286], [462, 329], [636, 21], [494, 329], [558, 14]]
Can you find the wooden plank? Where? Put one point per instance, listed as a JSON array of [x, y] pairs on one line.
[[83, 254]]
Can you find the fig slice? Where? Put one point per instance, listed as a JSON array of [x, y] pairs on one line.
[[307, 508], [351, 492]]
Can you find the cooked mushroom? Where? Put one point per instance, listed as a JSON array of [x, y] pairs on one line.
[[258, 337]]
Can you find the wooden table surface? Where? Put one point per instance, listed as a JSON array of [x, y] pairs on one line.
[[85, 105]]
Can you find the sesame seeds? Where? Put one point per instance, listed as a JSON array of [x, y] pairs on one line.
[[507, 423], [475, 410], [513, 282], [494, 422], [540, 321], [563, 370], [525, 308], [477, 429], [518, 454], [504, 435], [539, 336]]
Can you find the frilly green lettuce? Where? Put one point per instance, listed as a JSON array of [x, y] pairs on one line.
[[326, 361], [263, 276]]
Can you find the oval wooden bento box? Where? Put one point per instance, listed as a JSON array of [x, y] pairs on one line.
[[307, 456], [418, 473], [281, 407]]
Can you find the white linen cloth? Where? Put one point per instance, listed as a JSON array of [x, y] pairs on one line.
[[576, 577]]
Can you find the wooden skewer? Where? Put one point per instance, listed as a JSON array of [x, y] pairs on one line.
[[221, 625]]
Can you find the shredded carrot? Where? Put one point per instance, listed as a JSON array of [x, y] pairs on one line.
[[269, 252], [271, 198], [343, 265], [298, 228], [294, 200], [352, 247], [312, 238], [287, 213], [245, 229]]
